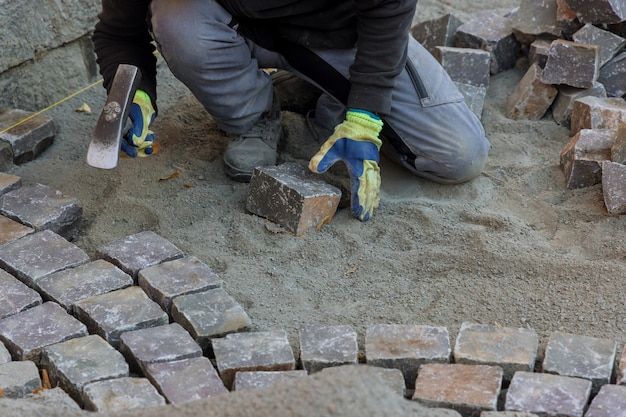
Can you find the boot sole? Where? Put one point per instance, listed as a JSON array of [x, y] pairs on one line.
[[237, 174]]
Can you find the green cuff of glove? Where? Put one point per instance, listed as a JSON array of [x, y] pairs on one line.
[[369, 122]]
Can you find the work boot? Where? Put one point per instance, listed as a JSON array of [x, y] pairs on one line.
[[257, 147]]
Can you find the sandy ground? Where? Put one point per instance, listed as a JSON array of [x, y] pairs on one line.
[[513, 247]]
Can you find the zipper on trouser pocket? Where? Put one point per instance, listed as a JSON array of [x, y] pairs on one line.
[[417, 81]]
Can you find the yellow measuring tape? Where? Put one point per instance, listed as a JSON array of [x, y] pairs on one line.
[[51, 106]]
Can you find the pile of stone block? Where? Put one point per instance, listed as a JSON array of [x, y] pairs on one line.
[[575, 59]]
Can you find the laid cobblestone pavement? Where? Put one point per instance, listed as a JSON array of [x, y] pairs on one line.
[[145, 324]]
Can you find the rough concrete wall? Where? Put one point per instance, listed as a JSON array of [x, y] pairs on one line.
[[46, 50]]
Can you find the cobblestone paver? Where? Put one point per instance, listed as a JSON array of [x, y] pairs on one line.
[[144, 324]]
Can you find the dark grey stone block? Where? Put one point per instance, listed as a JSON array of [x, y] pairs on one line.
[[170, 279], [136, 252], [39, 254], [74, 284], [74, 363], [27, 139], [27, 333], [43, 208], [291, 196], [15, 296], [111, 314]]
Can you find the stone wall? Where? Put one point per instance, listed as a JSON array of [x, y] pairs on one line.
[[47, 52]]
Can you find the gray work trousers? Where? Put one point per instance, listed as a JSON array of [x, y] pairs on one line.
[[437, 135]]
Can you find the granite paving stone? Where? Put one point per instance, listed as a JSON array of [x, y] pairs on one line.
[[11, 230], [406, 347], [326, 346], [609, 402], [19, 378], [55, 397], [292, 196], [136, 252], [582, 157], [465, 65], [532, 97], [494, 34], [509, 348], [591, 112], [76, 362], [580, 356], [39, 254], [209, 314], [538, 52], [9, 182], [28, 139], [598, 11], [71, 285], [392, 377], [536, 18], [547, 394], [116, 312], [6, 156], [5, 355], [261, 379], [621, 368], [43, 208], [186, 380], [165, 343], [567, 18], [614, 187], [120, 395], [564, 102], [27, 333], [571, 63], [618, 150], [436, 32], [468, 389], [612, 76], [609, 43], [253, 351], [170, 279], [15, 296]]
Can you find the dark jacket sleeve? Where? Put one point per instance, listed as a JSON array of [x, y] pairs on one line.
[[121, 36], [383, 33]]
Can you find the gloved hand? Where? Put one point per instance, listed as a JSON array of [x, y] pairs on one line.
[[356, 143], [139, 140]]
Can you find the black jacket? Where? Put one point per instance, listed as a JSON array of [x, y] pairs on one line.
[[379, 29]]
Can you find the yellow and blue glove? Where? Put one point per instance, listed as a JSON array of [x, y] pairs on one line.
[[356, 143], [139, 140]]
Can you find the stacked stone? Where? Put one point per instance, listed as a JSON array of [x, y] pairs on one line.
[[575, 70]]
